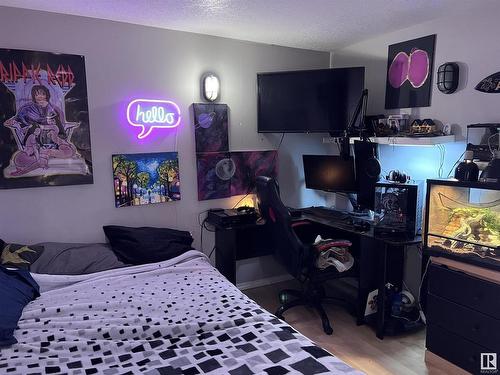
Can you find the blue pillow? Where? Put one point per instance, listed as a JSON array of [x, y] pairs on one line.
[[17, 289]]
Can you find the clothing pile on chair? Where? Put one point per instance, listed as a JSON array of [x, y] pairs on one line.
[[333, 253]]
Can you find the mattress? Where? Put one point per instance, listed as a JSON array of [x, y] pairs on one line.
[[180, 316]]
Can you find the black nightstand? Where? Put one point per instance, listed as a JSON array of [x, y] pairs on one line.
[[240, 242]]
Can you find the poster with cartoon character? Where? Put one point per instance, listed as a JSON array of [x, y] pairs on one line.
[[44, 120]]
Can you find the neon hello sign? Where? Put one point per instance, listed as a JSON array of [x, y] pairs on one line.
[[150, 113]]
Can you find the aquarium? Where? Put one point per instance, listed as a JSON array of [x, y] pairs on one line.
[[463, 221]]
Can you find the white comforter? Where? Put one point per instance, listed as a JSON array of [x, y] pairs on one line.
[[175, 317]]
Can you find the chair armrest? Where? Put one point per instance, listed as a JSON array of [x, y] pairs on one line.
[[300, 223]]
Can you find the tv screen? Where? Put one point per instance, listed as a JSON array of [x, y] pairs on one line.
[[316, 101]]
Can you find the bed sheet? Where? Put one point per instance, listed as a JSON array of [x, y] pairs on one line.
[[175, 317]]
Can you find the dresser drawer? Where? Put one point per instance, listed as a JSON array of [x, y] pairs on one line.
[[480, 295], [455, 349], [467, 323]]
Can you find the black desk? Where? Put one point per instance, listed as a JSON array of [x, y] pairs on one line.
[[380, 259], [240, 242]]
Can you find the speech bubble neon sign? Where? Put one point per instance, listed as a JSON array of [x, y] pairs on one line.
[[149, 114]]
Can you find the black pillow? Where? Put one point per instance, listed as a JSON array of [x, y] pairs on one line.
[[146, 244], [18, 256]]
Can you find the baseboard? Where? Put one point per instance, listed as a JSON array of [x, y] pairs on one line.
[[442, 364], [263, 282]]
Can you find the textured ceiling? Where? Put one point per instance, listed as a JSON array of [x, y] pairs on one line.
[[312, 24]]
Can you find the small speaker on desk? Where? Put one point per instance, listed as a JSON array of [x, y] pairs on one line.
[[367, 172]]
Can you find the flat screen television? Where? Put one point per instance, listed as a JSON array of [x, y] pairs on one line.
[[308, 101]]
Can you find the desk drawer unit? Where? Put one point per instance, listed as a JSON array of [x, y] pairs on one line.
[[465, 322], [455, 349], [469, 291], [463, 317]]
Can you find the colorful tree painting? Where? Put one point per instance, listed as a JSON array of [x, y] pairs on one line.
[[141, 179]]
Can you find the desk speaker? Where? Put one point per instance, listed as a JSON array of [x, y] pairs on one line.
[[367, 172]]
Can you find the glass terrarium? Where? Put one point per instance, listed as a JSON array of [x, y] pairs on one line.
[[463, 221]]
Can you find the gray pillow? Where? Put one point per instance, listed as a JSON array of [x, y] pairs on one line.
[[75, 259]]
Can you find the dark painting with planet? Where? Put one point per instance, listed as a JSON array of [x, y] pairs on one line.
[[141, 179], [409, 73], [215, 170], [211, 127], [224, 174]]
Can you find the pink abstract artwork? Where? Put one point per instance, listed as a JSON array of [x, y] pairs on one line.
[[413, 68], [409, 73]]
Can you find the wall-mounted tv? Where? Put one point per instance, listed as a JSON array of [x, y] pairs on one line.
[[315, 101]]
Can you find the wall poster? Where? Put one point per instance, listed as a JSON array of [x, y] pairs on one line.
[[409, 73], [44, 120]]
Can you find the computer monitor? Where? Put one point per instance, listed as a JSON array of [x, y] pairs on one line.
[[329, 173]]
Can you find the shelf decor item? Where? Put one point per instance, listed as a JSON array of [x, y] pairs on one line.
[[467, 170], [463, 221], [492, 171], [409, 73]]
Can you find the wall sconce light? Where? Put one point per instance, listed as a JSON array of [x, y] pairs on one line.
[[210, 87], [447, 77]]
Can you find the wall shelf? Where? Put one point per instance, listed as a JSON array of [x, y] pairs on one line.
[[411, 141]]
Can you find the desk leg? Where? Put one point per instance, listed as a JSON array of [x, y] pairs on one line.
[[362, 297], [381, 293], [225, 253]]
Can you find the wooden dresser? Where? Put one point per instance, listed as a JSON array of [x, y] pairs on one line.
[[463, 315]]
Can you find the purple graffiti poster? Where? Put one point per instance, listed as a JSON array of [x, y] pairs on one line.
[[211, 127], [409, 73], [224, 174], [44, 120]]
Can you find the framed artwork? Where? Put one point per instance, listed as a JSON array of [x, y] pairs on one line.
[[249, 165], [44, 120], [224, 174], [141, 179], [409, 73], [211, 127], [215, 170]]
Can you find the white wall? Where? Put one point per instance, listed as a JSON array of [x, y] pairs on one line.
[[123, 61], [470, 39]]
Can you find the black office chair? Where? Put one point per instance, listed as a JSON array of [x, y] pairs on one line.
[[293, 248]]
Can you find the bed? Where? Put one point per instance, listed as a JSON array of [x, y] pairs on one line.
[[179, 316]]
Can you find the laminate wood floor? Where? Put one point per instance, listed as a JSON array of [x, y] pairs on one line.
[[356, 345]]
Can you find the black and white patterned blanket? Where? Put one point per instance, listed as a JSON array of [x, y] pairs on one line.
[[175, 317]]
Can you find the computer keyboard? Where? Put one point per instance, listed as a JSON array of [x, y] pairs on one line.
[[325, 213]]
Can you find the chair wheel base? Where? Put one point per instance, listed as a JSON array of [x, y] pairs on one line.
[[328, 330]]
